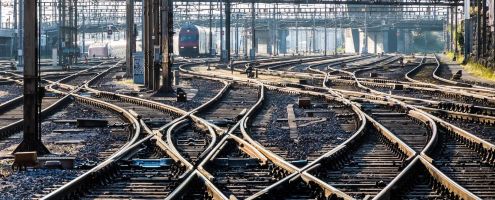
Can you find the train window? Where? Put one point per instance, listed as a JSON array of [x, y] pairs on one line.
[[188, 38]]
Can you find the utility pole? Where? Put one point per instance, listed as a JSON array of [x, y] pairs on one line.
[[40, 25], [447, 30], [227, 30], [467, 30], [484, 43], [275, 29], [492, 10], [237, 35], [253, 31], [455, 17], [335, 37], [365, 48], [452, 32], [151, 45], [305, 39], [221, 30], [64, 32], [167, 30], [76, 14], [146, 42], [341, 30], [83, 29], [335, 31], [31, 140], [325, 30], [1, 14], [479, 50], [297, 29], [313, 33], [210, 37], [21, 33], [156, 46], [245, 40], [16, 32], [71, 33], [269, 34], [130, 47]]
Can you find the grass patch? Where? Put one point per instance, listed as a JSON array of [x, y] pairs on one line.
[[479, 70], [474, 68]]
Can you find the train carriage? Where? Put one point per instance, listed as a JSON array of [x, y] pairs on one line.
[[193, 41]]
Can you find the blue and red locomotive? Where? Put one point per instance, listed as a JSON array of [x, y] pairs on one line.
[[193, 41]]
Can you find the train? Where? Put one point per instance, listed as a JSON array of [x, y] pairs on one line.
[[194, 41], [191, 42], [109, 49]]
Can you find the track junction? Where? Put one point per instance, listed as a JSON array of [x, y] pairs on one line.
[[336, 127]]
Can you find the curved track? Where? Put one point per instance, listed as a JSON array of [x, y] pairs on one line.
[[368, 129]]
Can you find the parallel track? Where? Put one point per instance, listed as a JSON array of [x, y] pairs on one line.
[[464, 164], [324, 126], [229, 149]]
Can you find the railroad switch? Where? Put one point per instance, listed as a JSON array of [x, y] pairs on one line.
[[398, 87], [91, 123], [56, 162], [457, 75], [152, 163], [304, 102]]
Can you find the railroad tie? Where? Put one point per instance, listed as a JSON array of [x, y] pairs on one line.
[[291, 119]]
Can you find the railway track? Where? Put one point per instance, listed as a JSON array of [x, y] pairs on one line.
[[348, 85], [193, 141], [65, 138], [148, 174], [198, 90], [231, 107], [302, 67], [364, 167], [153, 117], [419, 93], [464, 163], [427, 186], [481, 126], [232, 102], [424, 73], [373, 62], [9, 90], [388, 72], [14, 112], [446, 74], [336, 62], [141, 165], [431, 74], [401, 123], [240, 140], [285, 127], [11, 111], [107, 81], [145, 169], [238, 170], [446, 96], [80, 79]]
